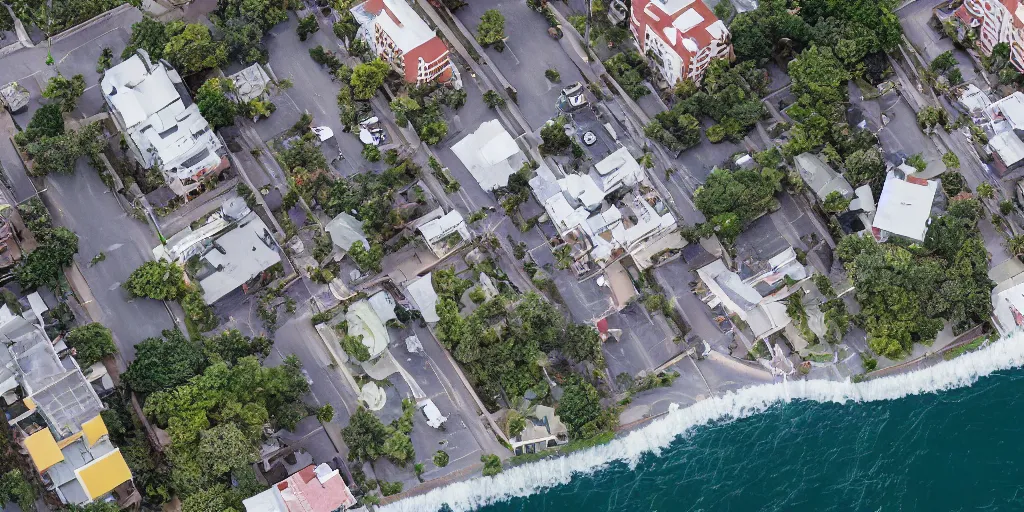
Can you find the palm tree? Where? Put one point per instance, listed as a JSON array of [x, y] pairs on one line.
[[647, 161], [1015, 245]]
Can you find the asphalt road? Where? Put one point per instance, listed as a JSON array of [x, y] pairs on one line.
[[83, 204]]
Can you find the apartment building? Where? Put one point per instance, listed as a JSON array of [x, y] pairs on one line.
[[401, 38], [679, 38]]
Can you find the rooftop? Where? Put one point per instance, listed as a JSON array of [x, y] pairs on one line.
[[346, 230], [1008, 146], [820, 177], [363, 321], [905, 206], [312, 489], [490, 154], [250, 83], [167, 133], [423, 296], [238, 256]]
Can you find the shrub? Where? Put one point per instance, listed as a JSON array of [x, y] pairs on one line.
[[441, 458], [552, 75], [91, 342]]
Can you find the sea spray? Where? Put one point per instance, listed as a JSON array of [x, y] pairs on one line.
[[532, 478]]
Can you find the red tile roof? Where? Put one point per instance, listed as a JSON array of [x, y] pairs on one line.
[[698, 33], [303, 492], [917, 181], [429, 51]]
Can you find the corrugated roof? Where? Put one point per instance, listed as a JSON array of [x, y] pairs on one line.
[[94, 429]]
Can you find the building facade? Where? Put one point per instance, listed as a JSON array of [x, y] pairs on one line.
[[996, 21], [401, 38], [679, 38]]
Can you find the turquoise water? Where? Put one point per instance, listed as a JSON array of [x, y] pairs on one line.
[[955, 450], [950, 437]]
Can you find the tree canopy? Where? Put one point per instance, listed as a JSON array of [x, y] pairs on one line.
[[44, 266], [160, 280], [194, 50], [214, 104], [65, 91], [367, 78], [491, 31], [579, 408], [91, 342], [164, 363]]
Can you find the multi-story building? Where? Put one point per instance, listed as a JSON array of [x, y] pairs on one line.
[[997, 21], [398, 36], [163, 128], [679, 37], [53, 411]]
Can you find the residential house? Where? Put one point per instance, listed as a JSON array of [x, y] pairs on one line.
[[423, 298], [543, 430], [238, 259], [820, 178], [346, 230], [251, 83], [1007, 153], [679, 37], [54, 413], [756, 293], [490, 154], [996, 21], [162, 127], [442, 231], [1008, 296], [397, 35], [312, 489], [189, 243], [904, 207]]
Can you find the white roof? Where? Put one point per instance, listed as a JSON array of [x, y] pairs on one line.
[[582, 188], [486, 154], [717, 29], [618, 168], [249, 249], [437, 229], [363, 321], [687, 20], [383, 305], [904, 208], [407, 29], [1008, 306], [1010, 108], [250, 83], [168, 134], [345, 230], [423, 296], [563, 215], [864, 200], [266, 501], [767, 318], [1008, 146], [974, 99], [735, 295]]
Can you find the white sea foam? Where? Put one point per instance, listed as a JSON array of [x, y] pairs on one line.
[[532, 478]]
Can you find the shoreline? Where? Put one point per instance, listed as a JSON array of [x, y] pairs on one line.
[[474, 471]]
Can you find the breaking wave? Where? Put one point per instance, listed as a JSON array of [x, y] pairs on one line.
[[532, 478]]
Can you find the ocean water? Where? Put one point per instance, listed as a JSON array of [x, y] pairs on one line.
[[950, 437]]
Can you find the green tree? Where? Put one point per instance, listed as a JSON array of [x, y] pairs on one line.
[[819, 83], [515, 423], [307, 25], [404, 107], [944, 62], [552, 75], [216, 498], [493, 100], [194, 50], [951, 161], [865, 165], [231, 345], [224, 448], [152, 36], [1015, 245], [492, 464], [368, 260], [929, 117], [353, 346], [47, 121], [441, 458], [59, 153], [491, 30], [986, 190], [835, 202], [91, 343], [755, 33], [367, 78], [582, 343], [214, 104], [365, 436], [746, 193], [160, 280], [44, 266], [555, 141], [65, 91], [579, 408], [15, 487], [398, 448], [347, 27], [325, 413], [164, 363]]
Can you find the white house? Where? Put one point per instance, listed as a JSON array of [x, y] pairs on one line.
[[490, 154], [162, 126], [904, 207]]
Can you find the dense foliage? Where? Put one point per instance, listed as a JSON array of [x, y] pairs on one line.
[[731, 199], [59, 153], [906, 292], [164, 363], [491, 31], [65, 91], [244, 23], [368, 439], [507, 362], [213, 102], [91, 343], [729, 94], [630, 71]]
